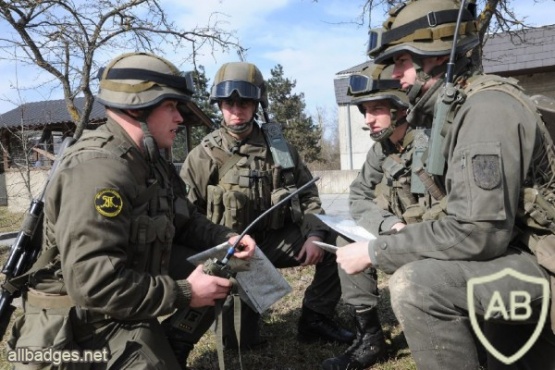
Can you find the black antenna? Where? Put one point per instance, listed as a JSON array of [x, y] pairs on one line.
[[449, 74], [232, 248], [435, 163]]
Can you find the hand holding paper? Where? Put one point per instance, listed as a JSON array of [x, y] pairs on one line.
[[354, 257]]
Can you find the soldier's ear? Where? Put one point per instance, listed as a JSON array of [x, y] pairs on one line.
[[135, 113]]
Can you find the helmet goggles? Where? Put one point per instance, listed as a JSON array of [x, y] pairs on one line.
[[380, 38], [244, 89], [182, 82], [361, 84]]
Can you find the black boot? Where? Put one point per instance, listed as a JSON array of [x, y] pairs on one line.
[[368, 347], [314, 326]]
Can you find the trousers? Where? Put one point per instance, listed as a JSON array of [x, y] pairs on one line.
[[431, 302]]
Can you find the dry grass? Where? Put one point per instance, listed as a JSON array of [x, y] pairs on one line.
[[285, 352], [9, 221], [280, 326]]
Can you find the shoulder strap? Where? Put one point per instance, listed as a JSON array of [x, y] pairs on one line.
[[224, 160]]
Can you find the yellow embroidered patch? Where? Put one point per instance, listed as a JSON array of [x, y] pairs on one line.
[[108, 202]]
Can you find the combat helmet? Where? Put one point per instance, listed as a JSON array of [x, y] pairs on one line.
[[142, 80], [242, 78], [424, 28], [375, 82]]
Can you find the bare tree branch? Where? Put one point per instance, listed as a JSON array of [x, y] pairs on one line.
[[63, 37]]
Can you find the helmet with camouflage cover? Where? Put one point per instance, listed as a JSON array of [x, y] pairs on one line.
[[142, 80], [424, 28], [375, 82], [241, 78]]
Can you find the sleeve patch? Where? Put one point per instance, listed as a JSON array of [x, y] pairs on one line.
[[487, 171], [108, 202]]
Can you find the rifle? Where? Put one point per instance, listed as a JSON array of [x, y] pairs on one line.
[[25, 249]]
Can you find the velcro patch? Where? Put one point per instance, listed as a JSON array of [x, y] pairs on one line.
[[487, 171], [108, 202]]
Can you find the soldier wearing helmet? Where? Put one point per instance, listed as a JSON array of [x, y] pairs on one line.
[[117, 225], [233, 177], [494, 150]]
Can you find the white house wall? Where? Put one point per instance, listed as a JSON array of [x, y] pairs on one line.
[[354, 142]]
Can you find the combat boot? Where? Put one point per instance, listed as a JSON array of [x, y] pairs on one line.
[[367, 349], [314, 326]]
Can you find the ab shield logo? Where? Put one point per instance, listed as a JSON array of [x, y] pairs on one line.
[[519, 301]]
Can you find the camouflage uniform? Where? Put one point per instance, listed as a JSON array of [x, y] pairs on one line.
[[120, 225]]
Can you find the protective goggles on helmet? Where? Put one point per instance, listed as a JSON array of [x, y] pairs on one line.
[[375, 40], [360, 84], [244, 89], [182, 82], [380, 37]]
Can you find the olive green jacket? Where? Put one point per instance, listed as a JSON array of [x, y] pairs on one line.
[[363, 204], [114, 226], [489, 150], [201, 170]]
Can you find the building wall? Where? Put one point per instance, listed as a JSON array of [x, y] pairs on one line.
[[354, 142], [334, 182], [538, 83], [19, 198]]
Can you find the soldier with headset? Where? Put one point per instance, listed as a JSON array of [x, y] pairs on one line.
[[239, 171], [489, 153], [118, 226]]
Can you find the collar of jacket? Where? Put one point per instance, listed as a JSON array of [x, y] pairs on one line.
[[256, 138]]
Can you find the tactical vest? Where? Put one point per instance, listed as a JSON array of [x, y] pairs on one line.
[[248, 184], [395, 194], [151, 226]]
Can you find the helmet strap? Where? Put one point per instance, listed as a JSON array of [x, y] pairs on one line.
[[421, 79], [149, 144], [238, 129], [387, 132], [417, 115]]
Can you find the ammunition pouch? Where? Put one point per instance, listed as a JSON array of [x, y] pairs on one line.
[[277, 217], [537, 217], [46, 326], [383, 195], [215, 203], [296, 211], [236, 210], [436, 211], [413, 214], [150, 238]]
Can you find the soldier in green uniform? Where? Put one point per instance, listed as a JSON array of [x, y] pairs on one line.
[[380, 200], [495, 153], [233, 177], [120, 225]]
